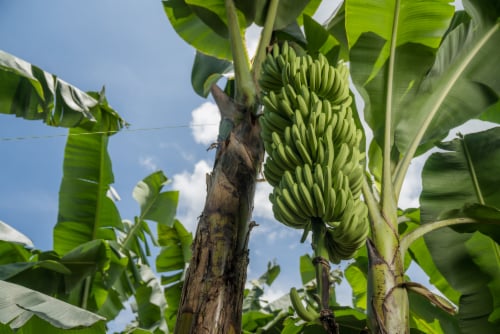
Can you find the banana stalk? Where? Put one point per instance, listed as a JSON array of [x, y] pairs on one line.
[[322, 265]]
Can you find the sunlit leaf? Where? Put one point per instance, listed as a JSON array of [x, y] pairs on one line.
[[10, 234], [156, 205], [86, 213], [463, 82], [27, 91], [19, 304], [207, 71]]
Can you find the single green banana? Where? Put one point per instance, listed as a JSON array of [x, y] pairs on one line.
[[319, 201], [307, 315], [307, 199]]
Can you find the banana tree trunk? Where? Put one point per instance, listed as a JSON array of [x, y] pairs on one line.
[[212, 295], [388, 308]]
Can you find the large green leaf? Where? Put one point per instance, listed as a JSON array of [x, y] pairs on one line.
[[466, 172], [207, 71], [398, 23], [86, 212], [411, 61], [463, 81], [392, 46], [190, 27], [27, 91], [19, 304]]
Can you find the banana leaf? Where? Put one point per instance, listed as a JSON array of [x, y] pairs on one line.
[[19, 306], [466, 173], [28, 92]]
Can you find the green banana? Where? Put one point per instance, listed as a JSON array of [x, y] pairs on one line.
[[312, 141], [306, 314]]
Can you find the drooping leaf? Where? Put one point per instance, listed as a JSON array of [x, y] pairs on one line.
[[29, 92], [450, 179], [19, 304], [192, 29], [10, 234], [207, 71], [86, 212], [463, 82]]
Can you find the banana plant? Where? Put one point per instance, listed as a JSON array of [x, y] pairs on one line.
[[421, 69]]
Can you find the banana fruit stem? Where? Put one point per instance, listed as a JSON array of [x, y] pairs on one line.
[[322, 265]]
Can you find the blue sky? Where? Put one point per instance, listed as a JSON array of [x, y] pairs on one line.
[[130, 47]]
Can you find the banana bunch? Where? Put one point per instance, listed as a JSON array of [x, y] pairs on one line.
[[312, 142]]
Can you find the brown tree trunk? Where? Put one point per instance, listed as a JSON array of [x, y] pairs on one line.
[[212, 294]]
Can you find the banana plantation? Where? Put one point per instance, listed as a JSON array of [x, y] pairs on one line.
[[330, 114]]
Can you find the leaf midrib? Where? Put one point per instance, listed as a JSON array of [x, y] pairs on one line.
[[441, 96]]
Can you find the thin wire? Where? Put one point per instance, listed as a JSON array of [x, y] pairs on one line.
[[103, 132]]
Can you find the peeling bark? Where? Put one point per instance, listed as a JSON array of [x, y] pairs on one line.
[[212, 295]]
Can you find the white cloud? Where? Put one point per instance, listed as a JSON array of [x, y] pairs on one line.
[[204, 123], [148, 163], [273, 293], [262, 205], [192, 187], [412, 186]]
